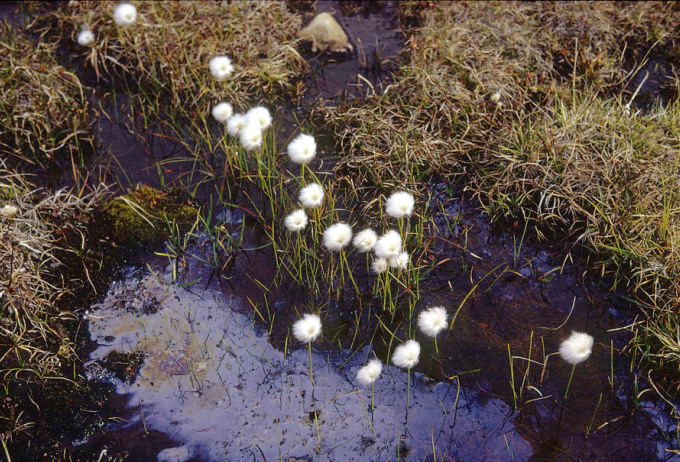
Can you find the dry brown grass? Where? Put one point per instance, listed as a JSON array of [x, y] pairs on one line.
[[43, 110], [37, 283], [558, 147], [33, 280], [168, 49]]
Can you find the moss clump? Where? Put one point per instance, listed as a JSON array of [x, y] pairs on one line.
[[146, 215]]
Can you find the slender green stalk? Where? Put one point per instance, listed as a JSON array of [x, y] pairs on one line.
[[372, 398], [408, 388], [571, 376], [311, 371]]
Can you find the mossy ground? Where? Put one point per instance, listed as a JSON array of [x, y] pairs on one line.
[[146, 215]]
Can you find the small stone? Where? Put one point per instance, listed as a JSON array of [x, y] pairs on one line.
[[325, 34]]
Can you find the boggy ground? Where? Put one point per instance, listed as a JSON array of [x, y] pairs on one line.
[[437, 129]]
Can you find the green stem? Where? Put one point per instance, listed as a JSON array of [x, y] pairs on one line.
[[372, 396], [571, 376], [436, 347], [311, 372], [408, 388]]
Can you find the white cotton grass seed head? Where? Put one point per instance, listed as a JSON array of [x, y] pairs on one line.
[[337, 236], [407, 354], [433, 320], [8, 211], [260, 116], [308, 328], [379, 265], [85, 38], [400, 204], [296, 221], [311, 196], [250, 137], [222, 112], [401, 261], [302, 149], [576, 348], [388, 245], [125, 14], [368, 374], [235, 124], [221, 68], [365, 240]]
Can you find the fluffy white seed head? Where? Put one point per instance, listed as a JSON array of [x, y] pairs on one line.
[[250, 137], [235, 124], [221, 67], [296, 221], [311, 196], [379, 265], [259, 115], [368, 374], [337, 236], [85, 37], [308, 328], [8, 211], [365, 240], [433, 320], [576, 348], [407, 354], [388, 245], [222, 111], [302, 149], [125, 14], [400, 204], [401, 261]]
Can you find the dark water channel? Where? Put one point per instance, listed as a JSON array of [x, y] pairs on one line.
[[217, 380]]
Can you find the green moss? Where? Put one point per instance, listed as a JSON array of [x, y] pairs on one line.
[[146, 215]]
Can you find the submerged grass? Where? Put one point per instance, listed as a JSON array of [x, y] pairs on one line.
[[530, 107]]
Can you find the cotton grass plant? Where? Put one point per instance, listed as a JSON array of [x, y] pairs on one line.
[[306, 330], [574, 350], [85, 38], [221, 112], [125, 15], [368, 374], [432, 321], [406, 356], [221, 68]]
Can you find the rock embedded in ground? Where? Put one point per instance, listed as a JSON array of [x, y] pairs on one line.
[[326, 34]]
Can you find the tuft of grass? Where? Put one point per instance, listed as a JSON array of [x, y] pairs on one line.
[[168, 49], [43, 109], [36, 282]]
